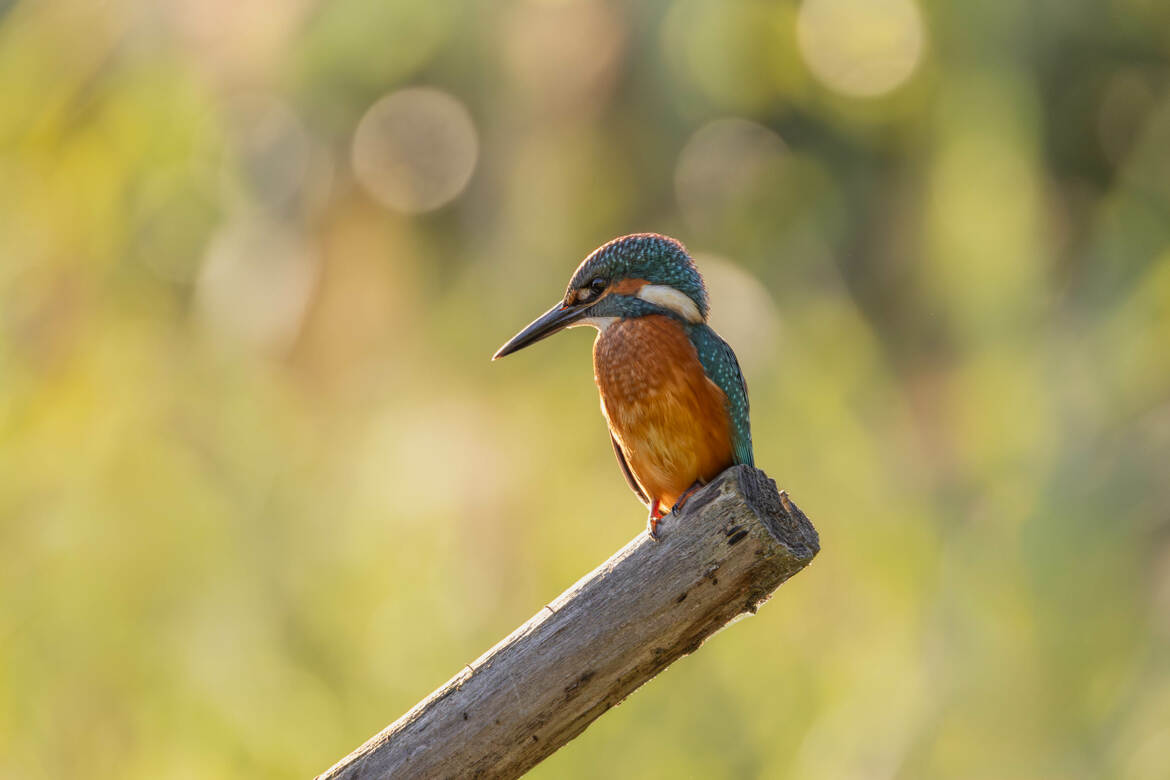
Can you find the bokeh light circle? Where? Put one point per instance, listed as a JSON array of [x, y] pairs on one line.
[[725, 164], [255, 285], [415, 150], [742, 312], [271, 148], [861, 48]]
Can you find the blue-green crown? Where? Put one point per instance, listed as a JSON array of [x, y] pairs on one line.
[[655, 258]]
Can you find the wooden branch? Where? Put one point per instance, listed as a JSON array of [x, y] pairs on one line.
[[651, 603]]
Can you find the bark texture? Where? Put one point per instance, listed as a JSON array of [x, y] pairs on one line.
[[653, 602]]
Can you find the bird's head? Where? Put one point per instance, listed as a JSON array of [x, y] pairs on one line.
[[631, 276]]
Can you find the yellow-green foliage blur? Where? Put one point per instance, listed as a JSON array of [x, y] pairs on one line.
[[261, 488]]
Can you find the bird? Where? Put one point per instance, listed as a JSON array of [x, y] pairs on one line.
[[672, 392]]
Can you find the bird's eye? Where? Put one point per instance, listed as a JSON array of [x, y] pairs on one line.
[[595, 288]]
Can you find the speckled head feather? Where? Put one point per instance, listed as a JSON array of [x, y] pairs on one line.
[[657, 259]]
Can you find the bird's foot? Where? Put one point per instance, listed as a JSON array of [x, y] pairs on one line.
[[682, 500], [653, 520]]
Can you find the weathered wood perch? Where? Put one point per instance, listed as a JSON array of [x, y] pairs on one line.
[[650, 604]]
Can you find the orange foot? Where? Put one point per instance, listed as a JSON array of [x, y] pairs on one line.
[[654, 519], [682, 500]]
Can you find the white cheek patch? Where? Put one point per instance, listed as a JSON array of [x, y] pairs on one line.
[[601, 323], [669, 298]]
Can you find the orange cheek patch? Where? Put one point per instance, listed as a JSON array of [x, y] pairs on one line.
[[628, 286]]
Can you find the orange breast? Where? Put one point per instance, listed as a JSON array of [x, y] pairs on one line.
[[669, 418]]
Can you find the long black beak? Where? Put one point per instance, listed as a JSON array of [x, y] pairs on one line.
[[557, 318]]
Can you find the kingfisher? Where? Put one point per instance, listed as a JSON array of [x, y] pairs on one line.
[[672, 392]]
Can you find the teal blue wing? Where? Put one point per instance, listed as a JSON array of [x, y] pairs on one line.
[[721, 366]]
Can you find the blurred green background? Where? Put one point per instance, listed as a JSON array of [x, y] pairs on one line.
[[261, 488]]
